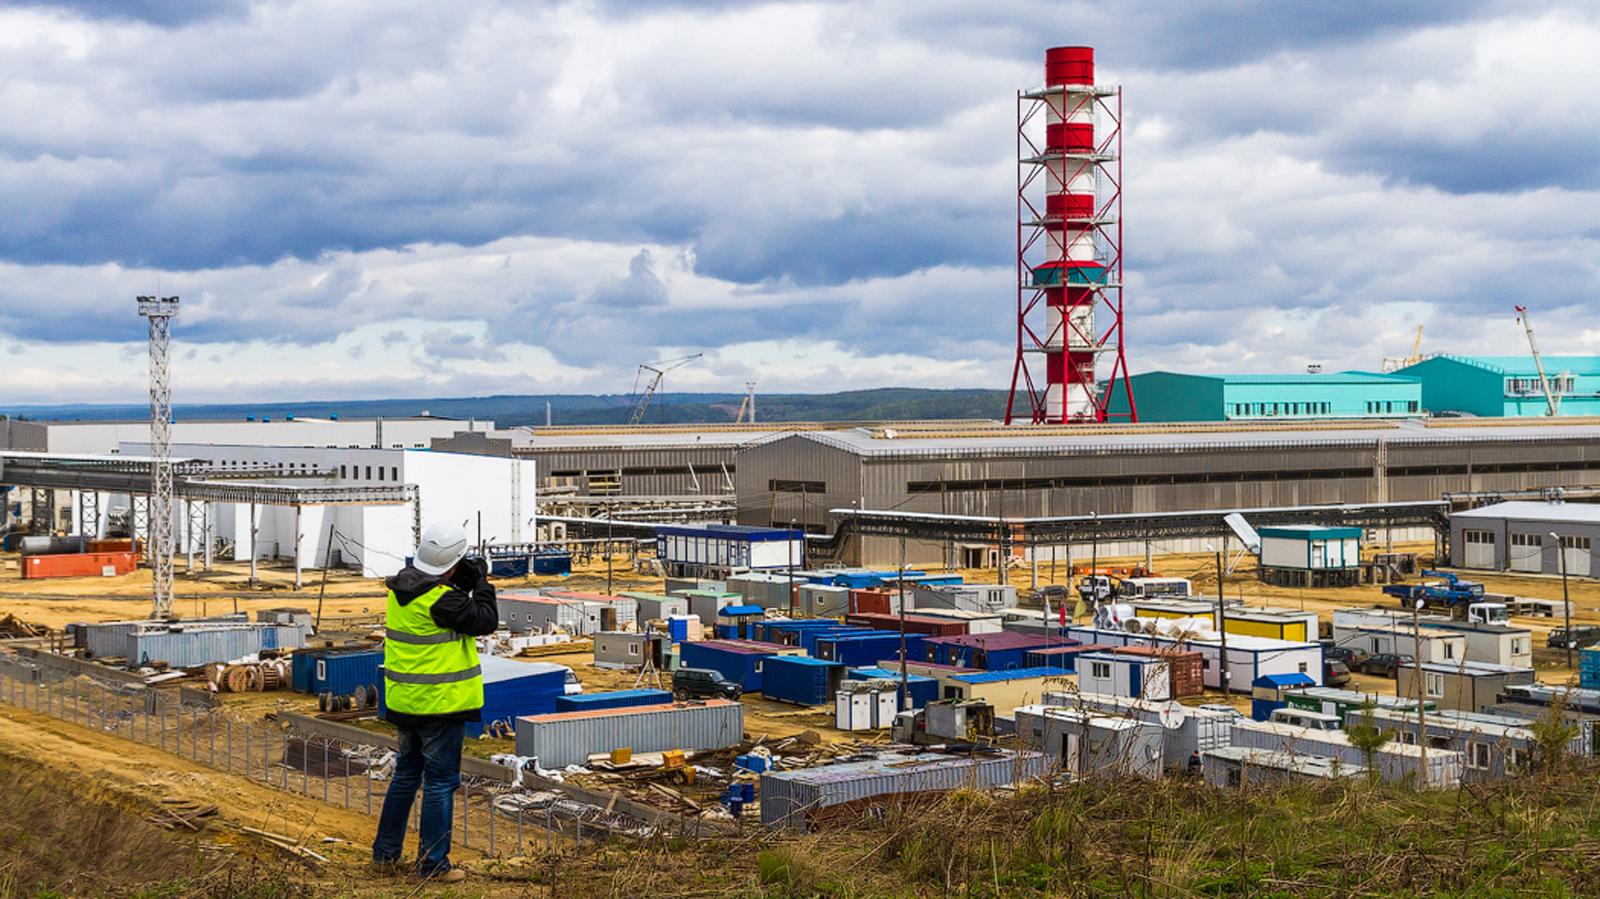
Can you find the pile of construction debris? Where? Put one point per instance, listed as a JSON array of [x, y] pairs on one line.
[[14, 628]]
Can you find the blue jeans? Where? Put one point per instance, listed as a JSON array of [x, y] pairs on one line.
[[429, 757]]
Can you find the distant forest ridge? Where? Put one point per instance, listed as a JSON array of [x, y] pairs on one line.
[[884, 404]]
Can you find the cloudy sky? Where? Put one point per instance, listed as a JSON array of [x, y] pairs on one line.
[[396, 198]]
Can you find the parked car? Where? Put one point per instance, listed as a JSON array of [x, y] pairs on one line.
[[1583, 635], [1335, 673], [1349, 655], [1385, 663], [702, 683]]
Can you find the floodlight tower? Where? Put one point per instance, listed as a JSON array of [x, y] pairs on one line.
[[160, 311], [1069, 247]]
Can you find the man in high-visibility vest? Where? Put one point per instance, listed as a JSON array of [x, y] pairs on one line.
[[432, 687]]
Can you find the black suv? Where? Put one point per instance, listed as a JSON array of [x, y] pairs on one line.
[[1582, 636], [702, 683], [1386, 664]]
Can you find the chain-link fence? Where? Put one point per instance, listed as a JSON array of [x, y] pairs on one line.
[[492, 816]]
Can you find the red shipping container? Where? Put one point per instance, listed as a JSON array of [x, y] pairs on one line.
[[115, 545], [870, 601], [78, 564], [915, 624], [1186, 668]]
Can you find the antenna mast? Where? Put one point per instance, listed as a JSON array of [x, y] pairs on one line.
[[160, 311]]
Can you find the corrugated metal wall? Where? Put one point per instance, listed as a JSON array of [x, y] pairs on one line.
[[657, 471], [559, 740]]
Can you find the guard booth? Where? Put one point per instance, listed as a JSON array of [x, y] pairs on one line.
[[1267, 692], [1307, 555]]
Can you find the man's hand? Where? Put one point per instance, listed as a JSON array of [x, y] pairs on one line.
[[470, 573]]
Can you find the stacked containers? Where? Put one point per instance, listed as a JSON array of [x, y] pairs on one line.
[[922, 689], [800, 679], [1185, 670]]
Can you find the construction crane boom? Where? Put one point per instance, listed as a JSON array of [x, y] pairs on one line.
[[748, 404], [658, 371], [1551, 401]]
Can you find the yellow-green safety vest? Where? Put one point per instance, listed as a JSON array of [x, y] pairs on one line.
[[427, 669]]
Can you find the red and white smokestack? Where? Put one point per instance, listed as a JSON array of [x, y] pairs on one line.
[[1071, 265]]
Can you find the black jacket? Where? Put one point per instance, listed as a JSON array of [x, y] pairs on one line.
[[468, 608]]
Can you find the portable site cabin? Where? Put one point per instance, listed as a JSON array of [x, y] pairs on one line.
[[601, 611], [1248, 657], [964, 597], [1185, 668], [867, 648], [1269, 692], [1462, 686], [1127, 675], [922, 689], [821, 600], [1089, 745], [1273, 623], [707, 603], [804, 633], [1236, 767], [1186, 730], [1306, 555], [925, 668], [1492, 750], [789, 799], [718, 550], [977, 622], [1005, 690], [1340, 703], [1169, 607], [738, 661], [801, 680], [1429, 645], [336, 671], [1588, 724], [738, 622], [1491, 644], [1394, 761], [569, 738], [626, 649], [991, 652], [769, 591], [656, 607]]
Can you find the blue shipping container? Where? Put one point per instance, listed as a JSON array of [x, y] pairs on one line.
[[801, 680], [301, 666], [743, 667], [340, 673], [1589, 668], [615, 699], [510, 689], [865, 649]]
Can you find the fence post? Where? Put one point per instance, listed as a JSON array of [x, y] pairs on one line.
[[490, 797], [325, 770]]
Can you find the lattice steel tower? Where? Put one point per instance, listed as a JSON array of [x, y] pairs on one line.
[[159, 311]]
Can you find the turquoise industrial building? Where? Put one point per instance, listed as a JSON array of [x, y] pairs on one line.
[[1503, 386], [1174, 396]]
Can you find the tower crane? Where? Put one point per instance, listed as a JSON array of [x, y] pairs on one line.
[[658, 370], [1551, 400], [1393, 363]]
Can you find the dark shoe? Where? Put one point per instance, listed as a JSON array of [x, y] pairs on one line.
[[387, 869]]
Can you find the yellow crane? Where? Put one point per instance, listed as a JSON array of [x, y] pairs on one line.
[[1395, 363]]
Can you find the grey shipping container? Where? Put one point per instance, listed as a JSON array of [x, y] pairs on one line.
[[823, 600], [789, 797], [194, 646], [110, 638], [569, 738], [1394, 762], [1188, 729], [1088, 744]]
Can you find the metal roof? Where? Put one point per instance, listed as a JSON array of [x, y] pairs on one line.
[[1524, 365], [990, 677], [1583, 513]]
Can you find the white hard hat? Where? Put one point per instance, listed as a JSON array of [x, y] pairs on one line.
[[443, 545]]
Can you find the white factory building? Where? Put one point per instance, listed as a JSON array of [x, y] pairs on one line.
[[494, 498]]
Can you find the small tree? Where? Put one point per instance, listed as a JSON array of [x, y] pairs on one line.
[[1367, 736], [1552, 733]]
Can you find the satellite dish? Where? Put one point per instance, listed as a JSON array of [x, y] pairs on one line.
[[1171, 716]]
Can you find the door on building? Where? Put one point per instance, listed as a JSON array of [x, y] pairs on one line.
[[1319, 555], [1071, 747], [1575, 552], [608, 619], [1526, 553], [1477, 549]]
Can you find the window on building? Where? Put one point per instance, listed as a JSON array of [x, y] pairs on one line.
[[1408, 737], [1435, 685], [786, 486], [380, 472], [633, 649], [1478, 755], [1517, 758], [1302, 667], [1449, 650], [369, 472], [394, 473], [342, 474], [1474, 536], [1100, 670], [1516, 646]]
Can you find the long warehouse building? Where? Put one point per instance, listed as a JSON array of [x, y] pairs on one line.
[[1017, 473]]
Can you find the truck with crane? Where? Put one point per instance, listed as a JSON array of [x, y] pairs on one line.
[[1461, 598]]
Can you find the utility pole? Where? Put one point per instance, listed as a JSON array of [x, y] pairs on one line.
[[791, 565], [608, 549], [160, 311], [1422, 713], [905, 687], [1225, 677], [1566, 598]]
